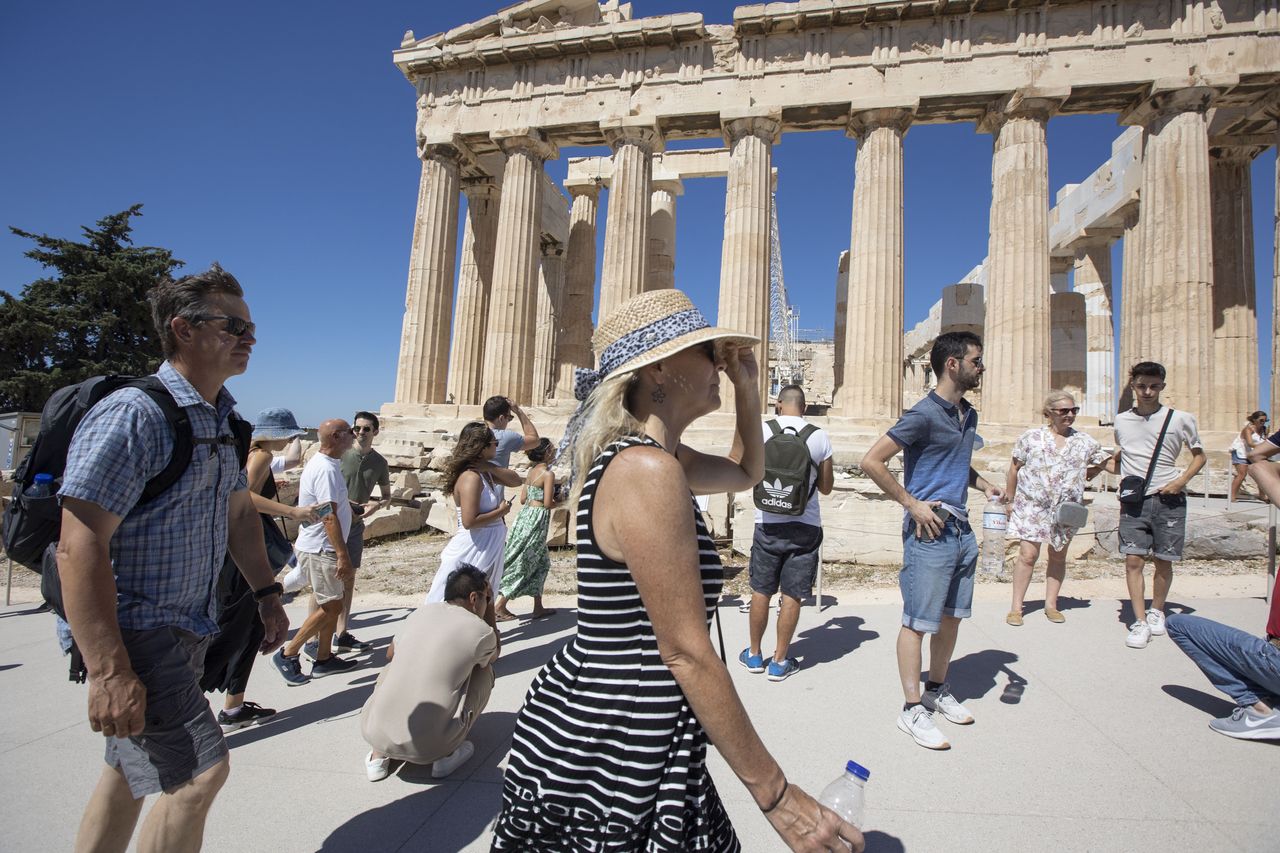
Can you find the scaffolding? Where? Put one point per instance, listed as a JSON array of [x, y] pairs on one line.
[[784, 320]]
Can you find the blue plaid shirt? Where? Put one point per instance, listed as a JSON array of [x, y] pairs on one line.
[[167, 553]]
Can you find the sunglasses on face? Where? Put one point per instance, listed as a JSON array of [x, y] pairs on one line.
[[361, 429], [1074, 410], [1138, 386], [237, 327]]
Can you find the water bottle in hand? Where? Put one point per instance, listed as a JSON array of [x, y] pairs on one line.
[[995, 520], [845, 796]]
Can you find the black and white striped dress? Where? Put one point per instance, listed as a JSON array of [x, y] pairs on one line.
[[607, 754]]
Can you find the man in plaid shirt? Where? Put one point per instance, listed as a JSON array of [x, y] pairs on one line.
[[139, 580]]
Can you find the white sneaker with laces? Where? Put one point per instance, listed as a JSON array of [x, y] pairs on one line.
[[442, 767], [917, 721], [1155, 620], [942, 701], [377, 769], [1139, 635]]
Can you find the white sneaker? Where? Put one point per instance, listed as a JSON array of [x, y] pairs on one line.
[[451, 762], [1139, 635], [377, 769], [1155, 619], [942, 700], [917, 721]]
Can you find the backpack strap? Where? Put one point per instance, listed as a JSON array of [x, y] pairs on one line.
[[242, 434], [183, 437], [810, 429], [774, 427]]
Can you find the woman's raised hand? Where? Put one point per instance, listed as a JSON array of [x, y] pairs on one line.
[[740, 365], [809, 827]]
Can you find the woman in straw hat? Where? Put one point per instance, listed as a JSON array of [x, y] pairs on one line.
[[609, 750]]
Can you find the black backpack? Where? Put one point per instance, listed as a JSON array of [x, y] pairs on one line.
[[32, 525], [786, 489]]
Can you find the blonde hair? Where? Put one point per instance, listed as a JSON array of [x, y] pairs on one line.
[[1054, 396], [603, 420]]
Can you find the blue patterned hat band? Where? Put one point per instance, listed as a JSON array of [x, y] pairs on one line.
[[636, 343]]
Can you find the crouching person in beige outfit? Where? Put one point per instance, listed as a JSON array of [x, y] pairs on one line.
[[436, 684]]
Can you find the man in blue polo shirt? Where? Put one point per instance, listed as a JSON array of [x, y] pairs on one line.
[[939, 551], [139, 580]]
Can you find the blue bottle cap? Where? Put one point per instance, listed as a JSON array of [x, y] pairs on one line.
[[43, 478], [858, 770]]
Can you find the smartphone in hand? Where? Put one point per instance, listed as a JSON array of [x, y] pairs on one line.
[[323, 510]]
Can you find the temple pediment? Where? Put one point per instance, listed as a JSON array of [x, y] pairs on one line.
[[527, 18]]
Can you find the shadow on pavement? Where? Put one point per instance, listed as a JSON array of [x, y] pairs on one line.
[[33, 611], [830, 641], [1214, 706], [1065, 602], [883, 842], [1125, 614], [974, 676], [379, 617], [492, 738], [530, 629], [528, 658], [388, 827], [337, 705]]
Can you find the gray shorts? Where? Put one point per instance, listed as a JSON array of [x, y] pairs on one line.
[[786, 556], [1158, 527], [181, 738], [355, 542]]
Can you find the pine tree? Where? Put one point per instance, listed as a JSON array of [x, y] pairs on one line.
[[90, 316]]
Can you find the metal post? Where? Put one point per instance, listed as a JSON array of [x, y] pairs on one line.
[[820, 578], [8, 586]]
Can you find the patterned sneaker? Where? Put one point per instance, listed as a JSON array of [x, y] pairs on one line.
[[350, 643], [1248, 724], [290, 668], [249, 713], [942, 701], [1139, 635], [753, 663], [917, 721], [332, 665], [1155, 620], [783, 671]]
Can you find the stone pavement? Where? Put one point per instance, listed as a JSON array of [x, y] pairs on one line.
[[1080, 743]]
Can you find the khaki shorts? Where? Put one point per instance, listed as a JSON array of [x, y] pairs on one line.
[[322, 570]]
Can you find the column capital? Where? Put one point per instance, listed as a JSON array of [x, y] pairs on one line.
[[1170, 96], [1037, 102], [1224, 151], [668, 185], [864, 119], [765, 125], [445, 148], [550, 247], [479, 188], [589, 187], [632, 130], [529, 140]]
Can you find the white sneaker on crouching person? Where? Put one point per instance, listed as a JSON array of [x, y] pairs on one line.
[[1139, 635], [442, 767], [1155, 621], [917, 721], [942, 701], [377, 769]]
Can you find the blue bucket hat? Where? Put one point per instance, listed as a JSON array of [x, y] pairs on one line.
[[275, 424]]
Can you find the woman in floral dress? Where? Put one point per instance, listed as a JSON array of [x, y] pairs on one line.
[[1050, 464], [526, 560]]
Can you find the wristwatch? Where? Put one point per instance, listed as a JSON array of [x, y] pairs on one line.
[[273, 589]]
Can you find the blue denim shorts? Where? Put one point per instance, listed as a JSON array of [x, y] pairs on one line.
[[937, 576]]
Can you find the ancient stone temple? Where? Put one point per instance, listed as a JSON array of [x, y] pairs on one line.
[[1198, 82]]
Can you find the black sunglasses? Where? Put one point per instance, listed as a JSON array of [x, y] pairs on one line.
[[1074, 410], [236, 326], [362, 429]]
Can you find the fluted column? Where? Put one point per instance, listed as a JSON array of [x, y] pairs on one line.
[[1016, 331], [842, 316], [1093, 282], [509, 343], [550, 287], [660, 268], [1234, 374], [1175, 285], [1068, 337], [424, 347], [475, 283], [872, 371], [1131, 340], [744, 256], [573, 341], [626, 227]]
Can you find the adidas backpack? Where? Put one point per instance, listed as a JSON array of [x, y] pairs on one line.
[[786, 489]]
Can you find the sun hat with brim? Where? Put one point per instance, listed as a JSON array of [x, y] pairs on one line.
[[274, 424], [647, 328]]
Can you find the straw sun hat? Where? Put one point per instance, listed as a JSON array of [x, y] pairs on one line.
[[648, 328]]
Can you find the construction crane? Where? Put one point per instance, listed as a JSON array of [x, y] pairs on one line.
[[784, 320]]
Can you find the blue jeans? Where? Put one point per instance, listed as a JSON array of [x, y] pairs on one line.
[[1239, 664], [937, 576]]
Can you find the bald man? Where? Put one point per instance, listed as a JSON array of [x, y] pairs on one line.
[[322, 554]]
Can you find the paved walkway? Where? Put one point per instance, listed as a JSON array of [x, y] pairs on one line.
[[1080, 743]]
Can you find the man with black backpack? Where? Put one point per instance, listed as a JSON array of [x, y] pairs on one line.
[[784, 548], [138, 577]]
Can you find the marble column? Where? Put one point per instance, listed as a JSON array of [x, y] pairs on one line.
[[573, 341], [1275, 296], [841, 323], [1068, 341], [660, 267], [1175, 292], [424, 347], [509, 339], [1132, 343], [871, 383], [1093, 281], [1016, 331], [744, 256], [550, 287], [1234, 374], [475, 283], [626, 228]]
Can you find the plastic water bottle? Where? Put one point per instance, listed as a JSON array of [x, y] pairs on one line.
[[995, 520], [41, 487], [846, 796]]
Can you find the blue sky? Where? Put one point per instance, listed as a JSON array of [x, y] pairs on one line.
[[278, 139]]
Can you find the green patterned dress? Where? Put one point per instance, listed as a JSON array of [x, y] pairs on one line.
[[525, 560]]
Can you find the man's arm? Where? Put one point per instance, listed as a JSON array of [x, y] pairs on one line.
[[333, 529], [873, 465], [826, 476], [977, 481], [249, 551], [531, 437], [117, 699]]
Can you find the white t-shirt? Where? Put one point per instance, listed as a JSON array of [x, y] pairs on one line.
[[1136, 437], [819, 451], [322, 481]]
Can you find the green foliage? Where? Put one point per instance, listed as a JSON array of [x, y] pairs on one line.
[[90, 316]]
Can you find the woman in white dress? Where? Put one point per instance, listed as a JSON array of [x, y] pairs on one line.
[[1049, 467], [476, 486]]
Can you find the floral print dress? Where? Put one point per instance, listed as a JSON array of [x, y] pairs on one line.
[[1049, 477]]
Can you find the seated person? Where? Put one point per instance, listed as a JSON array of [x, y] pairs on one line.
[[436, 684], [1245, 667]]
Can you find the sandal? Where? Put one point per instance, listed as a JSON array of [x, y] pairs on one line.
[[543, 613], [505, 617]]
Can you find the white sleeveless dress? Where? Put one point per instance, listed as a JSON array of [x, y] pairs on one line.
[[480, 546]]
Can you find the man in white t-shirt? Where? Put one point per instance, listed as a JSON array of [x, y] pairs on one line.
[[1156, 525], [784, 549], [322, 553]]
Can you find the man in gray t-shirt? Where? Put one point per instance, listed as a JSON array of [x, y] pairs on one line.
[[498, 413], [1157, 525]]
